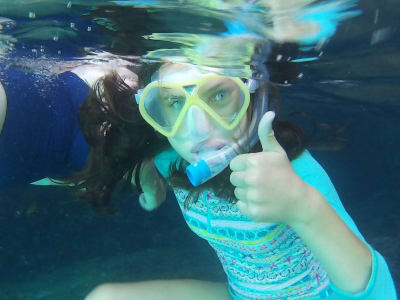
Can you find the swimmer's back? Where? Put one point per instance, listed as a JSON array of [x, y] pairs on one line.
[[40, 135]]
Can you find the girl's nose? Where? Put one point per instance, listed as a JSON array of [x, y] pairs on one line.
[[197, 123]]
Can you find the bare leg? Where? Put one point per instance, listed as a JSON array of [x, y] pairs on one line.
[[186, 289]]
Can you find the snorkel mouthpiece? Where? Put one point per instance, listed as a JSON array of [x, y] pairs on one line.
[[198, 172], [205, 169]]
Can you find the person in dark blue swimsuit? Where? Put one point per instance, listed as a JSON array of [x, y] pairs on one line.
[[40, 136], [41, 133]]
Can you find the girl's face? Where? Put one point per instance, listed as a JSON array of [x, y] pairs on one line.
[[199, 134]]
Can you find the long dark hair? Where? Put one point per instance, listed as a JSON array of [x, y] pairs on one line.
[[120, 139]]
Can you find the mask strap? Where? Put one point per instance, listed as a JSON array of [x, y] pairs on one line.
[[252, 85]]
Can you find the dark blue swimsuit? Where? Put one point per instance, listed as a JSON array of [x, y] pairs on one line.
[[41, 137]]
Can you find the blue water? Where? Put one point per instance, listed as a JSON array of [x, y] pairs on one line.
[[52, 247]]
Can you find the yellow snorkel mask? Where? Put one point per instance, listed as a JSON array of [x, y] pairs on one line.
[[163, 104]]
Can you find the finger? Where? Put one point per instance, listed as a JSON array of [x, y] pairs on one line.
[[266, 134], [243, 207], [238, 179], [240, 194], [239, 163]]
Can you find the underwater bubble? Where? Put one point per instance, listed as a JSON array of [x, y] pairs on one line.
[[32, 15], [376, 17], [381, 35]]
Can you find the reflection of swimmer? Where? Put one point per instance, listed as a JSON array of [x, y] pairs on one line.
[[273, 217]]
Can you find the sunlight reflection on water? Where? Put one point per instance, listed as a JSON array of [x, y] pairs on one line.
[[247, 24]]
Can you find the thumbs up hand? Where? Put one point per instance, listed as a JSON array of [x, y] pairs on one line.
[[266, 186]]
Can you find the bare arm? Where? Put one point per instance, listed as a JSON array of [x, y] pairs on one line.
[[3, 106]]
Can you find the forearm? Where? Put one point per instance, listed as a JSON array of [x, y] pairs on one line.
[[343, 255]]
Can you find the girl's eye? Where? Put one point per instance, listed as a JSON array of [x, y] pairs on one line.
[[175, 102], [219, 96]]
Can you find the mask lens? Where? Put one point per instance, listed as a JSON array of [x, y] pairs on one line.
[[224, 96], [163, 105], [226, 99]]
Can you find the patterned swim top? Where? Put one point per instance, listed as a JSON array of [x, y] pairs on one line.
[[261, 260]]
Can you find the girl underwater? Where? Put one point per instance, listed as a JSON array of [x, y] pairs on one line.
[[272, 214]]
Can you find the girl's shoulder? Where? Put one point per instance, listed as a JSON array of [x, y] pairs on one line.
[[305, 165], [310, 170], [3, 106]]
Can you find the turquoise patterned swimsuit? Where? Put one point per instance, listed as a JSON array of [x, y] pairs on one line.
[[258, 258], [268, 260]]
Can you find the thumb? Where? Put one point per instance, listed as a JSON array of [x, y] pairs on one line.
[[266, 134]]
